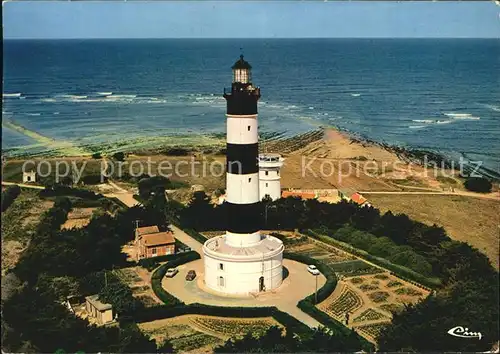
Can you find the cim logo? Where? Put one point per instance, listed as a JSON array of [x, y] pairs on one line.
[[462, 332]]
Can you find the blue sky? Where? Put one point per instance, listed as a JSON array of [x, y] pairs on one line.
[[248, 19]]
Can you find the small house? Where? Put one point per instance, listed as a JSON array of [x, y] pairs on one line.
[[29, 176], [140, 231], [155, 244], [359, 199], [299, 194], [103, 313]]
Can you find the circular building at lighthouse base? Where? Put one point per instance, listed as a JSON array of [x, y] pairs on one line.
[[243, 270]]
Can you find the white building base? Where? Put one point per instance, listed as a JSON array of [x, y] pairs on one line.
[[243, 270]]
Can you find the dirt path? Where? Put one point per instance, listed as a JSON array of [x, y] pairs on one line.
[[494, 195]]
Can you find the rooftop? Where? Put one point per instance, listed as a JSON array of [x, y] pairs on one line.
[[358, 198], [266, 245], [94, 300], [241, 64], [158, 238], [147, 230], [303, 195]]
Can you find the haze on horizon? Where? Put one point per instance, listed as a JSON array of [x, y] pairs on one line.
[[249, 19]]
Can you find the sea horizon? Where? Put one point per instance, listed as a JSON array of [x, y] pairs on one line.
[[412, 93]]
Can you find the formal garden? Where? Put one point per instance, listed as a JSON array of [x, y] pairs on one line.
[[420, 294]]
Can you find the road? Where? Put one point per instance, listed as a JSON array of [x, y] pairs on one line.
[[494, 196], [22, 185]]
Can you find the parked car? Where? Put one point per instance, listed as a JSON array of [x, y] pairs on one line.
[[171, 272], [190, 275], [312, 269]]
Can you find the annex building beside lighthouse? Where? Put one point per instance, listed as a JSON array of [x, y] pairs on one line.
[[243, 260]]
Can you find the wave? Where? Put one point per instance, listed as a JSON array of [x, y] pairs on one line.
[[464, 116], [457, 115], [11, 95], [123, 96], [104, 93], [355, 94], [75, 97], [492, 107], [443, 121], [423, 120], [416, 126], [33, 114]]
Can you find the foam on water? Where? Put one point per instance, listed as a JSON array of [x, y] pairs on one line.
[[429, 121], [492, 107], [464, 116], [416, 126], [355, 94], [11, 95]]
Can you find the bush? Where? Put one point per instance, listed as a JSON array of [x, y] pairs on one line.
[[196, 235], [59, 190], [401, 271], [331, 279], [478, 184], [152, 263], [97, 155], [161, 311], [119, 156], [333, 324], [8, 197]]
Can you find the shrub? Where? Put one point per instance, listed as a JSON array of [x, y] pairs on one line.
[[152, 263], [161, 311], [96, 155], [119, 156], [331, 278], [478, 184], [8, 197], [196, 235], [402, 272], [334, 325], [59, 190]]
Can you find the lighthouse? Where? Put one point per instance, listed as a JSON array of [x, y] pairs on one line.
[[269, 176], [242, 261]]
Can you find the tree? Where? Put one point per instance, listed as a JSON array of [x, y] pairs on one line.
[[478, 184], [119, 156], [96, 155], [199, 212]]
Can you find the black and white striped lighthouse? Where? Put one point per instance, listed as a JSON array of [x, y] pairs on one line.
[[243, 261], [242, 170]]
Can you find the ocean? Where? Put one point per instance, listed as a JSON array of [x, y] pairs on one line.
[[441, 95]]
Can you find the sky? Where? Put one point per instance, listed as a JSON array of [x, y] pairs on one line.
[[249, 19]]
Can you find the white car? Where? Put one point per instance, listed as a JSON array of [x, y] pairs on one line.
[[312, 269], [171, 272]]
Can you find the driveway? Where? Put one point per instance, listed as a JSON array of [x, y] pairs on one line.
[[297, 285]]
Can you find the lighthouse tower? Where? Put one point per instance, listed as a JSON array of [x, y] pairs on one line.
[[269, 175], [242, 261]]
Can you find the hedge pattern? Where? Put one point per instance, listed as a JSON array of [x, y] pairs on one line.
[[308, 303], [160, 312], [152, 262], [331, 279], [400, 271]]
